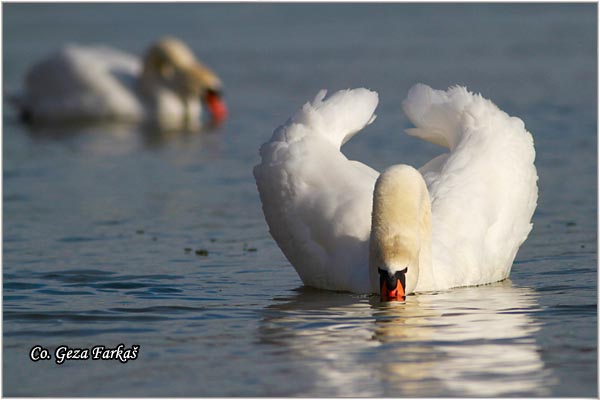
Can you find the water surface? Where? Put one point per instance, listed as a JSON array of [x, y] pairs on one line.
[[115, 234]]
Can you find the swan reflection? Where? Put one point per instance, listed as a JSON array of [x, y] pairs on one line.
[[117, 139], [468, 342]]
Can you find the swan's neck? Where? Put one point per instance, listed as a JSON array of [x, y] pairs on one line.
[[401, 227]]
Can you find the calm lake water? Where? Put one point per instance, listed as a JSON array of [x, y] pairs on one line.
[[101, 224]]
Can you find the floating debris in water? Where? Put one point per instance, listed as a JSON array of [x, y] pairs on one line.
[[140, 232], [187, 249], [571, 223], [246, 248], [202, 252], [212, 240]]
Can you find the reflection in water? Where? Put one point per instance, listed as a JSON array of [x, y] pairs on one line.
[[119, 138], [467, 342]]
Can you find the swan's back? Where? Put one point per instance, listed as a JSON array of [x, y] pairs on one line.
[[79, 82], [317, 203], [483, 192]]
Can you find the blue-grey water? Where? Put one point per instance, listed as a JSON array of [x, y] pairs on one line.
[[102, 224]]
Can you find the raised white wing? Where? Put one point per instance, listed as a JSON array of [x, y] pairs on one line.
[[317, 202], [483, 192]]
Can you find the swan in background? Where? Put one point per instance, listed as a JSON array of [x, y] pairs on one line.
[[80, 83], [457, 221]]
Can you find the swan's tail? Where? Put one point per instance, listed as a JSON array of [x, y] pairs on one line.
[[336, 118]]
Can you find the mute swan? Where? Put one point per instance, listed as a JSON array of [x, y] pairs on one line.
[[457, 221], [99, 83]]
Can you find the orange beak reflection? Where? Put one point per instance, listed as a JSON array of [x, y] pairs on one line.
[[392, 287]]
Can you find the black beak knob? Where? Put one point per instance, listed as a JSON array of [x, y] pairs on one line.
[[391, 280]]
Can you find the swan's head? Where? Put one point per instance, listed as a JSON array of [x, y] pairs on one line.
[[171, 64], [400, 231]]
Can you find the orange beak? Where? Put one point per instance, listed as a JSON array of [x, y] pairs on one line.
[[216, 107], [392, 286]]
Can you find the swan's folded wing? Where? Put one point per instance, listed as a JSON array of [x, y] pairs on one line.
[[483, 192], [317, 202], [83, 82]]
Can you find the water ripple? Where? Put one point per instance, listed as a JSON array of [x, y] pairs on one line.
[[76, 316]]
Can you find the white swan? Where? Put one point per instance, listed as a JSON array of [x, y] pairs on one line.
[[458, 221], [100, 83]]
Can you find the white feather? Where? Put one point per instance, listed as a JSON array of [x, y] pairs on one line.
[[318, 203], [84, 82], [483, 192]]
